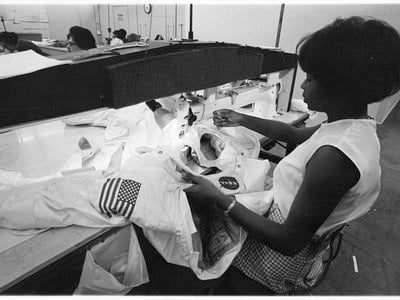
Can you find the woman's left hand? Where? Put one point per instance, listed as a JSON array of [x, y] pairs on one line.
[[203, 191]]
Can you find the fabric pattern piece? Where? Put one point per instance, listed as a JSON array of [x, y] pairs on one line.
[[217, 234], [118, 196], [280, 273]]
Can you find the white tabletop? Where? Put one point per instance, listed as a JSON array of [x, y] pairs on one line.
[[35, 151], [41, 150]]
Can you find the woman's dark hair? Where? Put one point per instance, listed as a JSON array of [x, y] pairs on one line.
[[9, 38], [120, 34], [82, 37], [355, 58]]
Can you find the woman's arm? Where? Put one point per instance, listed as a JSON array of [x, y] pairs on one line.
[[329, 175], [278, 130], [270, 128]]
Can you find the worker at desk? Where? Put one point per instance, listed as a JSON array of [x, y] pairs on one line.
[[10, 43], [80, 38], [333, 176], [119, 37]]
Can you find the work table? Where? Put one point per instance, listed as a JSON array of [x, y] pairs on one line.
[[35, 151], [41, 150]]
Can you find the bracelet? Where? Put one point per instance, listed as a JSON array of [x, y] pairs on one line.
[[231, 205]]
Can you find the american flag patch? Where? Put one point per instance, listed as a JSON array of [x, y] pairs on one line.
[[118, 196]]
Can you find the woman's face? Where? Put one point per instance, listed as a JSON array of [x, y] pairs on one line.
[[72, 46], [314, 95], [5, 49]]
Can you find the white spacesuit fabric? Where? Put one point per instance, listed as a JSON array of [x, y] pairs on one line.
[[147, 189]]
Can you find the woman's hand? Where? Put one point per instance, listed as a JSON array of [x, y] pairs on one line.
[[203, 191], [227, 118]]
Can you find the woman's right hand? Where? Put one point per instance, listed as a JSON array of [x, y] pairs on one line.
[[227, 118]]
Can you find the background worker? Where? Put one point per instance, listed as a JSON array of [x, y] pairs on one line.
[[80, 38], [10, 43]]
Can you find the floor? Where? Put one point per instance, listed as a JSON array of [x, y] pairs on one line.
[[374, 240]]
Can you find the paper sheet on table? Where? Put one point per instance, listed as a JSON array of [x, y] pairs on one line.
[[25, 62]]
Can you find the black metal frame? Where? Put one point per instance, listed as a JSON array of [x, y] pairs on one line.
[[86, 83]]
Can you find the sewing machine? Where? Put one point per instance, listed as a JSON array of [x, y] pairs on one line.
[[217, 75], [258, 98]]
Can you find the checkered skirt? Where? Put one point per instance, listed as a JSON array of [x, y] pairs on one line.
[[280, 273]]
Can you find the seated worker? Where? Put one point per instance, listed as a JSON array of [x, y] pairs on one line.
[[116, 38], [10, 43], [333, 176], [80, 38]]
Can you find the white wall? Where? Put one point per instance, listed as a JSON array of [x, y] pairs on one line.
[[245, 24], [162, 20], [54, 21], [63, 17], [257, 25], [25, 18]]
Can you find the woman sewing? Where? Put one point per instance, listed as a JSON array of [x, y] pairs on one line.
[[333, 176]]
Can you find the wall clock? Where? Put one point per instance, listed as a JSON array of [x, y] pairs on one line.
[[147, 8]]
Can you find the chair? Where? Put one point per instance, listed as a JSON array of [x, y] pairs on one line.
[[326, 249]]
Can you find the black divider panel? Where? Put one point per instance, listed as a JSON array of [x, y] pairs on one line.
[[133, 75], [168, 74]]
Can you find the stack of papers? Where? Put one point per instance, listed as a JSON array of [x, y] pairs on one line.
[[25, 62]]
